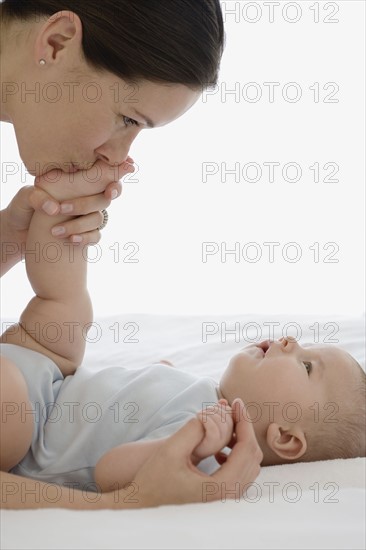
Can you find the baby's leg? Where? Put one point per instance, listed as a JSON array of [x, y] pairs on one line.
[[119, 466], [16, 432]]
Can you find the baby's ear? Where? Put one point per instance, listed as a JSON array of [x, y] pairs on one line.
[[289, 443]]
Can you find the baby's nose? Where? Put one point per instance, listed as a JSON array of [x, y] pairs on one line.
[[288, 342]]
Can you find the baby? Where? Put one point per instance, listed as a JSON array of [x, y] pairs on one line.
[[307, 403], [97, 428]]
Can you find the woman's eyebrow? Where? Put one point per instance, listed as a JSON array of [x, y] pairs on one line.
[[149, 123]]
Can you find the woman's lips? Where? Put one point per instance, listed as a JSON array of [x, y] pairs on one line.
[[71, 168]]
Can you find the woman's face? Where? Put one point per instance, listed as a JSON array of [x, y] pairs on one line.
[[80, 130], [67, 113]]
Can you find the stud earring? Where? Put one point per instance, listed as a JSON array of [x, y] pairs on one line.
[[42, 62]]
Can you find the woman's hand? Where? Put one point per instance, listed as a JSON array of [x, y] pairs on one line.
[[89, 192], [88, 196], [170, 477], [86, 206]]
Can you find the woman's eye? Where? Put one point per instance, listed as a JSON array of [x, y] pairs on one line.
[[129, 121], [308, 366]]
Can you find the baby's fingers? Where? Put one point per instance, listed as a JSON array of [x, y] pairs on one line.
[[244, 428], [243, 463]]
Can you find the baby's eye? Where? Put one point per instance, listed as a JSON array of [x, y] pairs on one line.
[[129, 121], [308, 366]]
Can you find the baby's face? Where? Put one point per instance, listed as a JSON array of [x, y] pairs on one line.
[[287, 382]]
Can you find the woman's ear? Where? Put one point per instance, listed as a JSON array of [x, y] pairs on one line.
[[58, 32], [287, 442]]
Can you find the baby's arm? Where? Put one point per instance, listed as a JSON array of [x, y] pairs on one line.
[[119, 465], [55, 320]]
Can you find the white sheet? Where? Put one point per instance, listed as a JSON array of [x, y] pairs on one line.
[[301, 506]]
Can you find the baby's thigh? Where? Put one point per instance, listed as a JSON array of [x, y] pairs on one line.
[[16, 427]]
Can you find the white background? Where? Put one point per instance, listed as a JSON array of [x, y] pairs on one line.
[[168, 209]]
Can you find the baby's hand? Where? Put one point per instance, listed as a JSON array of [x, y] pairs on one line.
[[218, 424]]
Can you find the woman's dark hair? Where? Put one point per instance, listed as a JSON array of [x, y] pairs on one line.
[[171, 41]]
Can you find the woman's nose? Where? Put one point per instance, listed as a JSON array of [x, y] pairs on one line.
[[112, 156], [115, 151], [113, 160]]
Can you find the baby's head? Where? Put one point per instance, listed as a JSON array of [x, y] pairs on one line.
[[306, 402]]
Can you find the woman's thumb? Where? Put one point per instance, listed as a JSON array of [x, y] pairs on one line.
[[185, 440]]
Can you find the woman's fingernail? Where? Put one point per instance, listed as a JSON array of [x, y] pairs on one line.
[[57, 231], [76, 239], [66, 208], [50, 207], [114, 194]]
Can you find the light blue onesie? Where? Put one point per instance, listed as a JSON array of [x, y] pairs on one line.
[[80, 417]]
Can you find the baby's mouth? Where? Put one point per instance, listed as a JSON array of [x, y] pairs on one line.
[[264, 346]]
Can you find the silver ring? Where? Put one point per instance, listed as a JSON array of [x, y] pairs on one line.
[[105, 220]]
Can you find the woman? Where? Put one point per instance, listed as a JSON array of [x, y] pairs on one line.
[[79, 82]]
